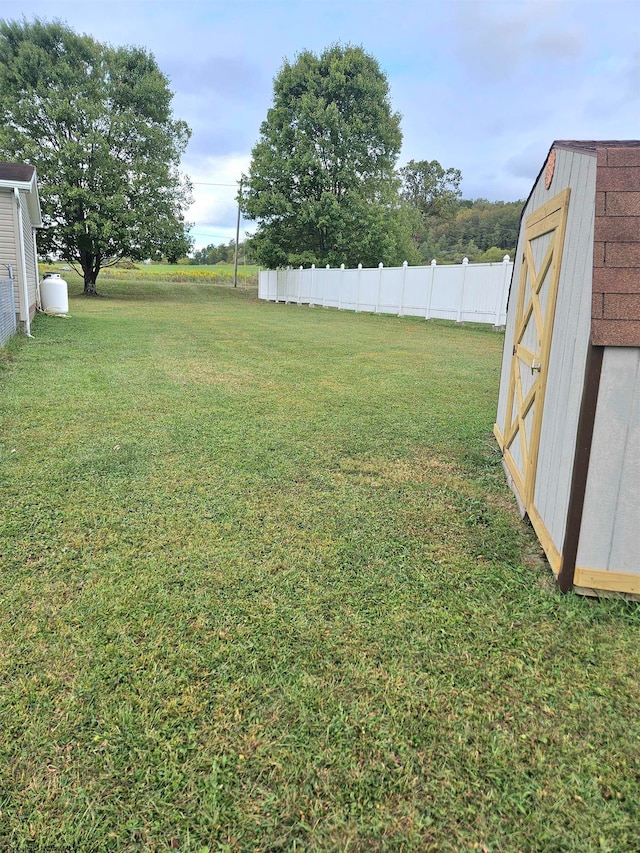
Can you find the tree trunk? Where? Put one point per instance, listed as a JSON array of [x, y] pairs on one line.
[[90, 283], [90, 268]]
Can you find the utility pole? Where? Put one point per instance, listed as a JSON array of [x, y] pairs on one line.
[[235, 260]]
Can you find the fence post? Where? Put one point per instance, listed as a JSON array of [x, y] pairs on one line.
[[285, 288], [380, 267], [427, 313], [405, 264], [313, 267], [358, 287], [287, 283], [340, 286], [465, 264], [299, 284], [502, 298], [324, 292]]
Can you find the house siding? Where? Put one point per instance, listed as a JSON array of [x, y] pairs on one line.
[[9, 247]]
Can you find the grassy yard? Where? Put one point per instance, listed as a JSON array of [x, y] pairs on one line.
[[264, 588]]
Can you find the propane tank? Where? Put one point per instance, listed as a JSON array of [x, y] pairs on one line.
[[54, 297]]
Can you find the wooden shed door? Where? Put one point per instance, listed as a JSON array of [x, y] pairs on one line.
[[537, 291]]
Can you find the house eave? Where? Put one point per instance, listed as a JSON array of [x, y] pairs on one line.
[[33, 198]]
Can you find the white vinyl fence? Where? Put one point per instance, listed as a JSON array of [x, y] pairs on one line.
[[462, 292]]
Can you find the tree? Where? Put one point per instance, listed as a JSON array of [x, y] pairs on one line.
[[96, 122], [322, 180], [432, 190]]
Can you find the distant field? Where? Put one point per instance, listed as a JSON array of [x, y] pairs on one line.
[[214, 274]]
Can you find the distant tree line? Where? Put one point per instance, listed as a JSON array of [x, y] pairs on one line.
[[224, 253], [479, 230]]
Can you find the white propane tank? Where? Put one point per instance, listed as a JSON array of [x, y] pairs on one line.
[[54, 297]]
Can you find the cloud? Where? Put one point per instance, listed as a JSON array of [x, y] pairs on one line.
[[497, 42], [561, 46], [222, 77], [614, 83], [211, 137], [527, 162]]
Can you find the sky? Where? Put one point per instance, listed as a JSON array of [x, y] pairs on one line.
[[484, 86]]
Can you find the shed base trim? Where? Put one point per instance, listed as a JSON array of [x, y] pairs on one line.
[[597, 580], [544, 537], [512, 485], [499, 436]]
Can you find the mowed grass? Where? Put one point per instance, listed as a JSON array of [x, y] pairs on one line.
[[264, 588]]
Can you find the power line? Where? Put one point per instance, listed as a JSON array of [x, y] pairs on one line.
[[206, 184], [209, 233]]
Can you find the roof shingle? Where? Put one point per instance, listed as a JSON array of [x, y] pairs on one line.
[[20, 172]]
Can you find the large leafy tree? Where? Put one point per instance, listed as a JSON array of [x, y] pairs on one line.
[[322, 182], [97, 124]]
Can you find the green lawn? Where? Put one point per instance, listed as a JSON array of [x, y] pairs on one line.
[[264, 588]]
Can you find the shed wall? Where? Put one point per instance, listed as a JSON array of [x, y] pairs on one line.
[[569, 345], [610, 531], [570, 340]]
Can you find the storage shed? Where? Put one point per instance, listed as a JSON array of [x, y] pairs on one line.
[[19, 218], [568, 420]]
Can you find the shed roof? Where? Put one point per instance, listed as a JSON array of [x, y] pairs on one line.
[[592, 145], [615, 313]]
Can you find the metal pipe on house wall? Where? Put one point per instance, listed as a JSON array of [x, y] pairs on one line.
[[23, 263], [37, 269]]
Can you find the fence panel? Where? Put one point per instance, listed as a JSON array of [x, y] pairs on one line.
[[483, 294], [461, 292], [7, 311], [390, 290], [417, 287], [369, 286], [447, 292]]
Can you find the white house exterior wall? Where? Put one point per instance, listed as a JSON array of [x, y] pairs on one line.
[[9, 246]]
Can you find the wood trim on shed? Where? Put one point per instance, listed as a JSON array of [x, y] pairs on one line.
[[584, 440], [595, 581], [552, 554]]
